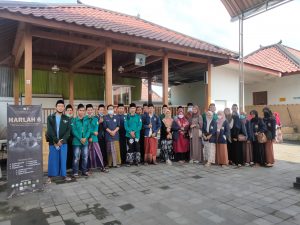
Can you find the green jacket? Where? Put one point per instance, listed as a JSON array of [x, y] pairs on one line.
[[94, 125], [133, 123], [215, 117], [64, 129], [80, 129]]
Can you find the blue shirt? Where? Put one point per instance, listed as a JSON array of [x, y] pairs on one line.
[[111, 123], [57, 118]]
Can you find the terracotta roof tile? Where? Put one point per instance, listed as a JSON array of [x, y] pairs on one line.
[[107, 20], [276, 57]]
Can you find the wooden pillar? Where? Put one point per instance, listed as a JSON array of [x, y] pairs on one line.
[[108, 75], [165, 79], [208, 86], [150, 89], [28, 66], [71, 88], [16, 86]]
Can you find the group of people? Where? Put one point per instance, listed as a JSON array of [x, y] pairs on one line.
[[111, 138]]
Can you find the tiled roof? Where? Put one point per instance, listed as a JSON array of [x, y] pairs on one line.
[[106, 20], [276, 57]]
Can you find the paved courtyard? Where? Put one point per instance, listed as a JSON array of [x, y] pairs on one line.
[[178, 194]]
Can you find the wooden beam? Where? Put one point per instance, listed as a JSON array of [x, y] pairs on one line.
[[16, 87], [125, 48], [85, 57], [28, 66], [187, 58], [67, 38], [5, 60], [149, 60], [165, 79], [108, 34], [150, 89], [18, 47], [71, 88], [108, 76], [208, 89]]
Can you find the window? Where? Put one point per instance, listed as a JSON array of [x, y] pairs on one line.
[[260, 98]]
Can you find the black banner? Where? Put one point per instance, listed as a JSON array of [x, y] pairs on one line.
[[24, 159]]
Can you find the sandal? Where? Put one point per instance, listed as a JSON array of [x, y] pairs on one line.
[[67, 179], [48, 181]]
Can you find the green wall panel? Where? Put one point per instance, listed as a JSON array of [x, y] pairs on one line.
[[88, 87]]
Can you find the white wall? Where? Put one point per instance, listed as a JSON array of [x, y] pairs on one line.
[[185, 93], [282, 87], [225, 86]]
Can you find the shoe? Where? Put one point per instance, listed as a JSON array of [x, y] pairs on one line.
[[169, 162], [269, 165], [155, 163], [67, 179], [191, 161], [196, 161], [247, 164], [145, 164], [104, 170], [75, 175], [49, 181], [137, 164], [239, 165], [128, 165], [85, 175]]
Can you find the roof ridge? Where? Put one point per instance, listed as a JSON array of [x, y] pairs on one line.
[[260, 49], [289, 55]]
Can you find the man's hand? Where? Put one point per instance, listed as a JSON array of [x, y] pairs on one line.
[[168, 130], [153, 135], [96, 133], [90, 140], [132, 134], [60, 142], [193, 125], [83, 140], [150, 125]]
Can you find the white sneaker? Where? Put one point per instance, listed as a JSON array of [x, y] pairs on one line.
[[196, 161], [169, 162], [191, 161]]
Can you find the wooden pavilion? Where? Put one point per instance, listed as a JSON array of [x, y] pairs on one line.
[[86, 39]]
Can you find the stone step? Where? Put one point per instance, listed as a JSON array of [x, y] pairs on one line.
[[291, 137]]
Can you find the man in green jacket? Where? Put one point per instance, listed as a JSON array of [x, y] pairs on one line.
[[81, 133], [133, 126], [58, 132]]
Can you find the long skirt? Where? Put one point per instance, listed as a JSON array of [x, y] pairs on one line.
[[150, 145], [102, 145], [181, 148], [258, 153], [113, 153], [269, 153], [209, 152], [57, 161], [247, 152], [196, 149], [222, 154], [95, 156], [166, 150], [237, 148], [133, 151], [123, 146]]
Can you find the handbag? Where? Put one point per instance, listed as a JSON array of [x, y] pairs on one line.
[[261, 138], [242, 137]]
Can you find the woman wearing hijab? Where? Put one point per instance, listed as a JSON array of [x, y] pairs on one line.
[[247, 145], [270, 122], [278, 137], [209, 131], [195, 133], [180, 129], [166, 149], [238, 130], [257, 126], [223, 134], [229, 120]]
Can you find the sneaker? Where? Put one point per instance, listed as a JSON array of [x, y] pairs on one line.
[[145, 164], [75, 175], [128, 165], [191, 161], [85, 174], [269, 165], [155, 163], [196, 161], [247, 164]]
